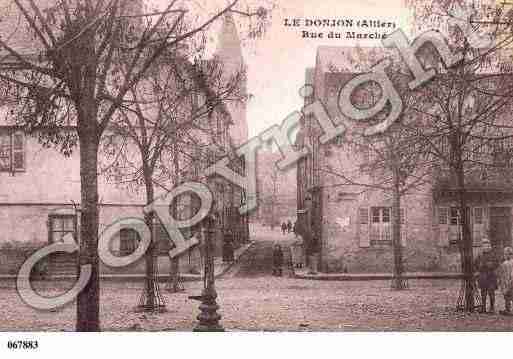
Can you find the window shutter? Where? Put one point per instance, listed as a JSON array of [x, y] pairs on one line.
[[18, 152], [363, 227], [478, 225], [386, 232], [443, 226], [404, 233], [5, 151], [375, 224]]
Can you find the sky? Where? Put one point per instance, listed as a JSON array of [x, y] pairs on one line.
[[277, 62]]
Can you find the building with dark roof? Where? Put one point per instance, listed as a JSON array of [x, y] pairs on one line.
[[40, 188], [353, 224]]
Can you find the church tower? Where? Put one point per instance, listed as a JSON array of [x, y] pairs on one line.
[[229, 53]]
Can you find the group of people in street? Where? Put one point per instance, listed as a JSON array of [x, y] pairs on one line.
[[287, 227], [493, 275]]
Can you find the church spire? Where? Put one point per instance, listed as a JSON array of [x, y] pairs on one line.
[[229, 47], [229, 54]]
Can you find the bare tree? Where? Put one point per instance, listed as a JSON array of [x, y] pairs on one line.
[[463, 108], [463, 121], [393, 162], [167, 121]]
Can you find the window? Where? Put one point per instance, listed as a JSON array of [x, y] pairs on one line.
[[478, 225], [211, 158], [376, 215], [385, 215], [454, 221], [12, 151], [478, 215], [363, 215], [128, 241], [443, 213], [449, 220], [501, 158], [380, 226], [455, 230], [455, 216], [221, 132], [375, 226], [62, 228]]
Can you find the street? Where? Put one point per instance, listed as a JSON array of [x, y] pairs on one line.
[[251, 299]]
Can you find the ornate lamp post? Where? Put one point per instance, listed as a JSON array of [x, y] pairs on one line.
[[208, 319]]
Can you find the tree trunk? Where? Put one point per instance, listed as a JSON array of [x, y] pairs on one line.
[[150, 253], [174, 274], [174, 263], [88, 301], [467, 260], [398, 280]]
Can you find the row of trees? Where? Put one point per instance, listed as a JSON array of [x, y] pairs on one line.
[[456, 126], [110, 69]]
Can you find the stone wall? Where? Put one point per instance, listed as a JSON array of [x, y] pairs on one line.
[[25, 229], [344, 250]]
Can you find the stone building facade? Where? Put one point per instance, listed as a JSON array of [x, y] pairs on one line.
[[276, 190], [353, 225], [40, 188]]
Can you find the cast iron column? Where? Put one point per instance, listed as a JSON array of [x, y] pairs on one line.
[[208, 319]]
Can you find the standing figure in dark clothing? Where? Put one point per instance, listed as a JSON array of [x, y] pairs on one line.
[[284, 227], [277, 260], [228, 255], [505, 274], [289, 226], [486, 265]]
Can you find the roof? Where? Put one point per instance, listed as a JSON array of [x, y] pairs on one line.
[[349, 58], [15, 30]]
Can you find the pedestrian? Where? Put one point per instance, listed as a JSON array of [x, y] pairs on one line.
[[277, 260], [294, 229], [297, 253], [284, 227], [505, 274], [313, 252], [487, 264], [289, 226], [228, 255]]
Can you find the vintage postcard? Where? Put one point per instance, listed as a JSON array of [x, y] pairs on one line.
[[255, 165]]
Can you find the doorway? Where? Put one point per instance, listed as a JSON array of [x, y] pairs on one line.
[[500, 228]]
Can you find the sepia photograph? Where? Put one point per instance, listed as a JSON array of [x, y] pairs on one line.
[[293, 167]]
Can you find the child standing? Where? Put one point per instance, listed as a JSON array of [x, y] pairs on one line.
[[277, 260], [506, 280], [487, 264]]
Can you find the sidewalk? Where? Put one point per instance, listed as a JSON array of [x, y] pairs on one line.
[[220, 269], [303, 274]]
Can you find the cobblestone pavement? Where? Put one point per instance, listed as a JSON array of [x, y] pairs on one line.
[[269, 303], [251, 299]]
